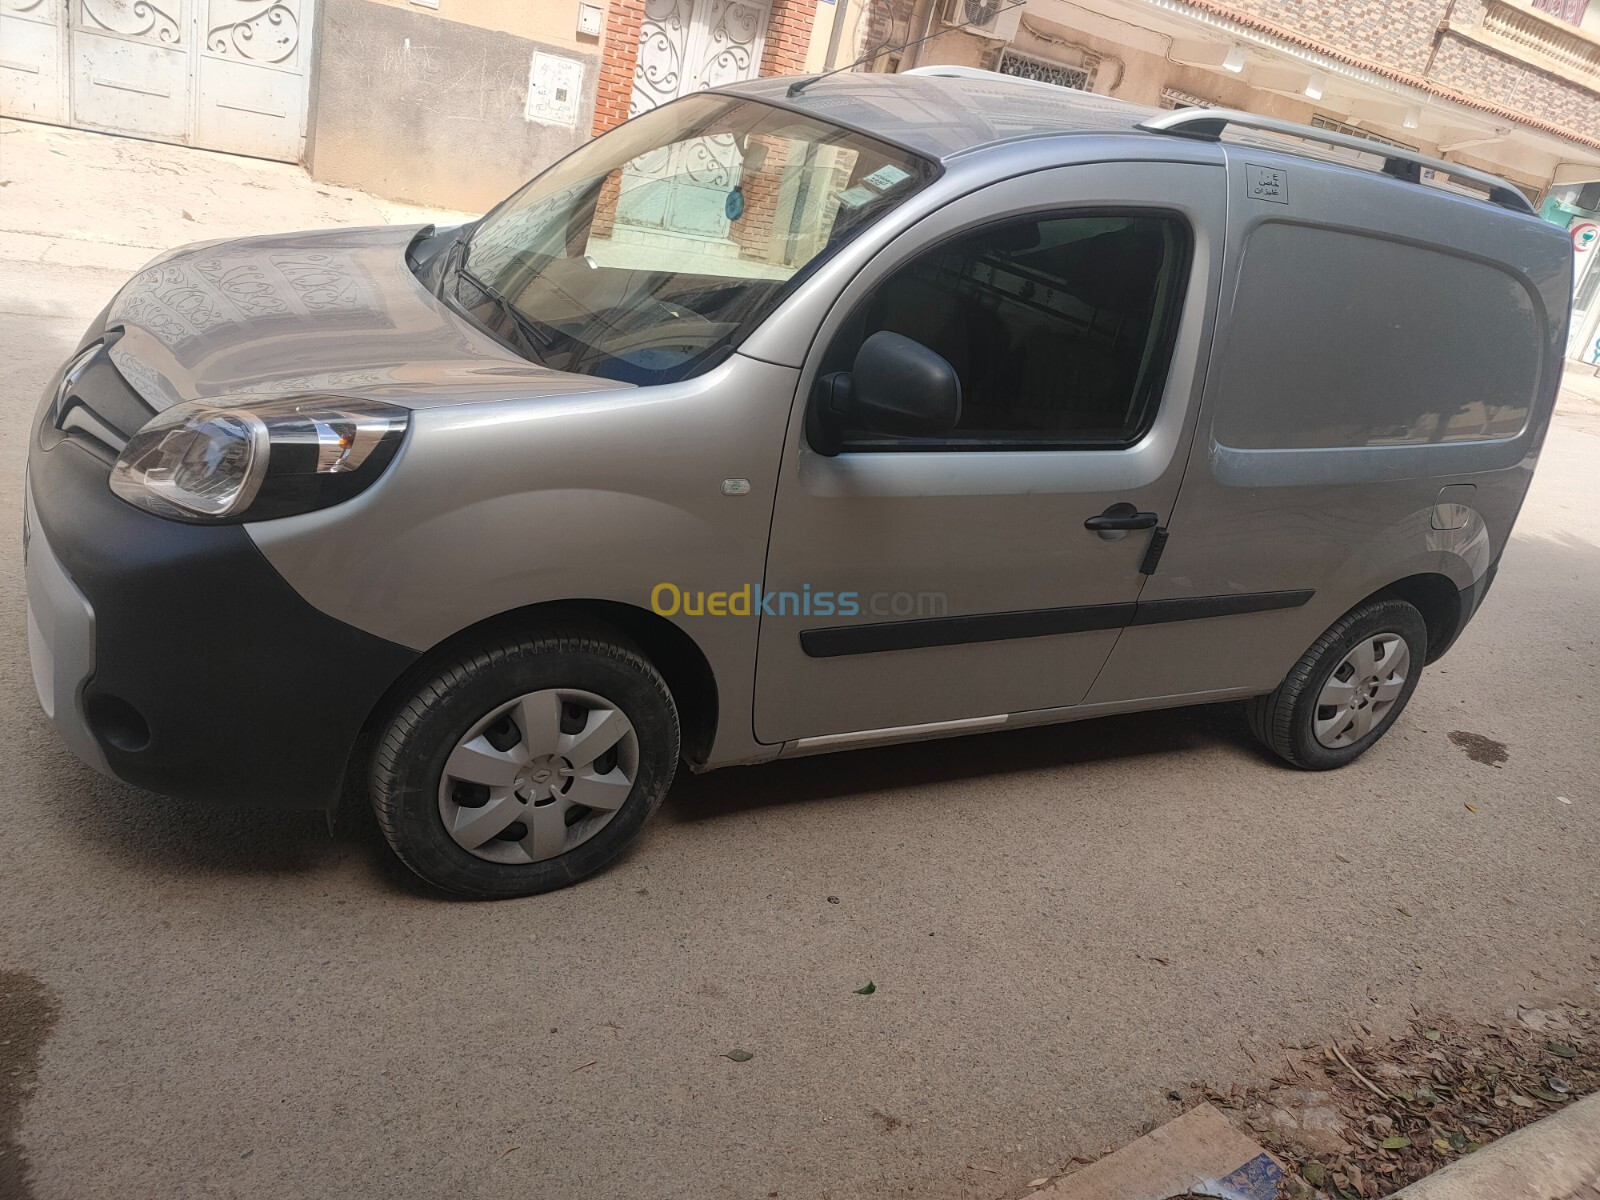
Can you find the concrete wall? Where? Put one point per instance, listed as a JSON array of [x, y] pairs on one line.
[[430, 110]]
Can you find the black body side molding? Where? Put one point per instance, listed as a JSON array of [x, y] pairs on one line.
[[1192, 608], [959, 631], [839, 640]]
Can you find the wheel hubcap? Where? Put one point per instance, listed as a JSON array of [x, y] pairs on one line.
[[538, 776], [542, 778], [1361, 690]]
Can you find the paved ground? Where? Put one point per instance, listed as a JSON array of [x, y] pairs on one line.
[[1062, 924]]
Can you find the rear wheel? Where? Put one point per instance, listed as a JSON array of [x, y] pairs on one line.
[[525, 765], [1347, 690]]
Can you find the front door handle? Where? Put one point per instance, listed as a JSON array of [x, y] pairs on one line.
[[1121, 517]]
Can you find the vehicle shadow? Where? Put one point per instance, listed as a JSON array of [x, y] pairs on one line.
[[166, 836], [980, 755], [173, 839]]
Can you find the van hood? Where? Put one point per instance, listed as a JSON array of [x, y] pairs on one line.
[[333, 311]]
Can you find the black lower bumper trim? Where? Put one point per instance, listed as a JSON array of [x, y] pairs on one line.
[[241, 690], [1471, 601]]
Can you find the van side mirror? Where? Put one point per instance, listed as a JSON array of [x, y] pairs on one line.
[[896, 385]]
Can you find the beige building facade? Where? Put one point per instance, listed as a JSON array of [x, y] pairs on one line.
[[1507, 86]]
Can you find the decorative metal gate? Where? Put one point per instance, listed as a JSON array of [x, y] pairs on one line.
[[687, 46], [223, 74]]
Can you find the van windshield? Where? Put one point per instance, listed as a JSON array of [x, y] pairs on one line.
[[648, 254]]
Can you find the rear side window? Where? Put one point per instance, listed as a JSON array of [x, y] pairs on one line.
[[1060, 328], [1341, 339]]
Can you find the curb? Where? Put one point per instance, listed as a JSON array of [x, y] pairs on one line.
[[1557, 1158], [1197, 1154]]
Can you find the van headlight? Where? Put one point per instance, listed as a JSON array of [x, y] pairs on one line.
[[254, 459]]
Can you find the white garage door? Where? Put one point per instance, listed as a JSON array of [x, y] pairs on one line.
[[223, 74]]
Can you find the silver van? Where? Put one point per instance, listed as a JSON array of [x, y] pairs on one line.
[[794, 416]]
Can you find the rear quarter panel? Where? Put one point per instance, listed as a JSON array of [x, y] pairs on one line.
[[1344, 391]]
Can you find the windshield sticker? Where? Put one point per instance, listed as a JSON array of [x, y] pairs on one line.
[[734, 207], [886, 176]]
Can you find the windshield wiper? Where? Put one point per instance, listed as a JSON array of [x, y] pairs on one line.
[[539, 342]]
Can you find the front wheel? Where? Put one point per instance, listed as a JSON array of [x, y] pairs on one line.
[[526, 764], [1347, 690]]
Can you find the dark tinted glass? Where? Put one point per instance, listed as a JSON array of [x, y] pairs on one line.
[[1060, 328], [1380, 344]]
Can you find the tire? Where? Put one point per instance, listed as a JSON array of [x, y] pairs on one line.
[[1292, 723], [511, 719]]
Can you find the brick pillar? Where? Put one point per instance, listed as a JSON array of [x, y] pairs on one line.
[[886, 25], [605, 208], [617, 62], [788, 35], [613, 94], [760, 188]]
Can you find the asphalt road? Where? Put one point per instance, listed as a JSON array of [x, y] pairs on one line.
[[1062, 924]]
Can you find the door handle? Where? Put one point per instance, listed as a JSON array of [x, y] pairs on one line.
[[1121, 517]]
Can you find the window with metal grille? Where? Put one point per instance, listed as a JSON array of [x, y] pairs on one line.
[[1023, 67], [1318, 121], [1173, 98]]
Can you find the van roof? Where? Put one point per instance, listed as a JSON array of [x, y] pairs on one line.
[[944, 111]]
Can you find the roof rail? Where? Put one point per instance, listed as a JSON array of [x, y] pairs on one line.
[[1211, 123]]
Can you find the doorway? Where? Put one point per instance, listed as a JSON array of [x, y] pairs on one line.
[[687, 46]]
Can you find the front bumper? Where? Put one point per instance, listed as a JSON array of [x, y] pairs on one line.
[[175, 657], [60, 641]]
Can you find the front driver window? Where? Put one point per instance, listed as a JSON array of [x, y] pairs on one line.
[[1059, 327]]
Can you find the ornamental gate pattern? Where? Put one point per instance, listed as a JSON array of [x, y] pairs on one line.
[[222, 74], [687, 46], [690, 45]]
